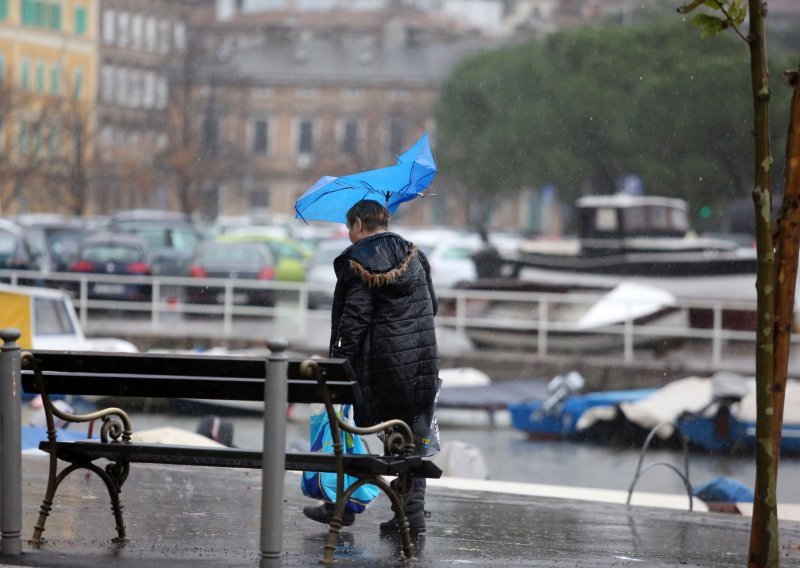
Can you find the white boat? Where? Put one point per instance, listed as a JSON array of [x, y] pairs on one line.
[[583, 321]]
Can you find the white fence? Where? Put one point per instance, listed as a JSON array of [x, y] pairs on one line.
[[544, 322]]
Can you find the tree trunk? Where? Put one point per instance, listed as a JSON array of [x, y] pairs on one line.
[[786, 257], [764, 550]]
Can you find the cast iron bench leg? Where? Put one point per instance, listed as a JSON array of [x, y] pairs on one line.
[[113, 476]]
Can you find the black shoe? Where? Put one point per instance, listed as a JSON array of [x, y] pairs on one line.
[[323, 513], [416, 524]]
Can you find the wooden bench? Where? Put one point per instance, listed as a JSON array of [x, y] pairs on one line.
[[329, 381]]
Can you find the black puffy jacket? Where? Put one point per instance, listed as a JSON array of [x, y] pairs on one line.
[[382, 321]]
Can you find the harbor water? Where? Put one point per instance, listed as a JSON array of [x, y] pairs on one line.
[[510, 456]]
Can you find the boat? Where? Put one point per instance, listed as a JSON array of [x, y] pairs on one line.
[[581, 320], [715, 414], [635, 249], [728, 423], [558, 416], [636, 235]]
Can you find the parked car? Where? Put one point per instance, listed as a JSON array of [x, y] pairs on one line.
[[54, 238], [321, 275], [171, 236], [292, 258], [116, 254], [16, 252], [247, 261]]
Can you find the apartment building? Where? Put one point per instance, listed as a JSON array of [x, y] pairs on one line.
[[48, 63]]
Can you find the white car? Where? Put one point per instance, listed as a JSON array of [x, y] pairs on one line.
[[320, 275]]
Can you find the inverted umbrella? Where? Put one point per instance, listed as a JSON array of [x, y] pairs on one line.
[[330, 197]]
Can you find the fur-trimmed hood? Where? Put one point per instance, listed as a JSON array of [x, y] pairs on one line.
[[379, 260]]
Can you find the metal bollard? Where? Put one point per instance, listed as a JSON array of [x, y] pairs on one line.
[[10, 444], [274, 453]]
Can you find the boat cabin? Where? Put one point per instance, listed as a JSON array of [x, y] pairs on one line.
[[617, 223]]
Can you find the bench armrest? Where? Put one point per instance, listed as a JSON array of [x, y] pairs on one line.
[[116, 422], [398, 439]]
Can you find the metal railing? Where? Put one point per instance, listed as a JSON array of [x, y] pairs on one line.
[[544, 322]]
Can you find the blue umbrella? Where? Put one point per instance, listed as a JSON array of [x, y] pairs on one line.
[[330, 197]]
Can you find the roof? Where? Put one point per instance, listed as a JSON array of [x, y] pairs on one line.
[[346, 62], [626, 200]]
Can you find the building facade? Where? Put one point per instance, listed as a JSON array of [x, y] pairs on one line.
[[48, 66], [140, 44]]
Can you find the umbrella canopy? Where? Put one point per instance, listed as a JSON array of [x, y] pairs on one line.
[[330, 197]]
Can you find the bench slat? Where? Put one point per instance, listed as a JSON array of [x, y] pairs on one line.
[[169, 364], [175, 386], [232, 457]]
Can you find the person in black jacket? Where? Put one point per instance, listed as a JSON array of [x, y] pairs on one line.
[[382, 321]]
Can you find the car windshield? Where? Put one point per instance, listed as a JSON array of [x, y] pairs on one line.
[[327, 254], [52, 317], [230, 253], [8, 243], [112, 253], [159, 237]]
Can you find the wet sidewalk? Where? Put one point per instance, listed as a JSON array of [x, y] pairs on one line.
[[209, 517]]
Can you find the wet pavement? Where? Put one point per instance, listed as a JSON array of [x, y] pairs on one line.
[[193, 516]]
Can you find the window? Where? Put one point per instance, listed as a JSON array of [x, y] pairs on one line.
[[77, 83], [150, 37], [25, 79], [396, 134], [122, 86], [162, 92], [123, 29], [51, 317], [23, 138], [80, 21], [107, 84], [210, 135], [40, 70], [149, 94], [3, 9], [180, 36], [54, 140], [109, 27], [260, 137], [305, 140], [54, 17], [137, 27], [350, 138], [135, 85], [2, 68], [55, 78], [163, 36]]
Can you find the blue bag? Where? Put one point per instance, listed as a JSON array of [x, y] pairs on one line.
[[322, 485]]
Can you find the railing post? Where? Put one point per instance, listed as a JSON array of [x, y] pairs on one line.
[[10, 444], [628, 338], [716, 340], [84, 295], [227, 316], [155, 303], [461, 314], [274, 453], [543, 324]]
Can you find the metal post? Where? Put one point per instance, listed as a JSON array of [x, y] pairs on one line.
[[84, 294], [302, 307], [628, 337], [10, 444], [227, 316], [274, 452], [716, 341], [543, 324], [155, 303]]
